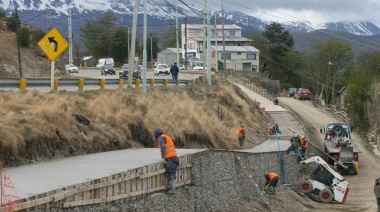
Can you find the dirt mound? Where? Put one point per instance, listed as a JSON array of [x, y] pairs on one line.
[[37, 126]]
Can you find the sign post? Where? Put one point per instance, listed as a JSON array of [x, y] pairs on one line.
[[53, 44]]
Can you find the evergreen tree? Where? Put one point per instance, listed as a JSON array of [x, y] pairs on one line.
[[167, 39], [119, 46], [37, 35], [97, 36], [24, 37], [12, 22], [2, 13]]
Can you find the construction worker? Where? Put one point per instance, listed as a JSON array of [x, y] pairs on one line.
[[241, 135], [271, 179], [376, 190], [294, 144], [304, 146], [270, 128], [276, 128], [169, 158]]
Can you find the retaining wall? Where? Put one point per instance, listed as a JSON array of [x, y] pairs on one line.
[[218, 182]]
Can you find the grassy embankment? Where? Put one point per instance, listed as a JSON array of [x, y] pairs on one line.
[[38, 126]]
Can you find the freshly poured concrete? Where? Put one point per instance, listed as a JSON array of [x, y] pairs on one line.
[[46, 176]]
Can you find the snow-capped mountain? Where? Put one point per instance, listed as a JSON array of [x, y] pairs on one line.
[[34, 12]]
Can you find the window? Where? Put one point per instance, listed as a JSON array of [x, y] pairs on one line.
[[239, 53], [191, 45], [226, 56], [231, 33], [213, 54], [251, 56]]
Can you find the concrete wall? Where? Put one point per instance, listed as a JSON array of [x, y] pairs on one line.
[[218, 182]]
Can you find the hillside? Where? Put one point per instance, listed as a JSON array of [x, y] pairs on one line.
[[33, 61], [37, 126]]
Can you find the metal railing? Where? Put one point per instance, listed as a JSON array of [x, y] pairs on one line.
[[258, 89], [24, 83]]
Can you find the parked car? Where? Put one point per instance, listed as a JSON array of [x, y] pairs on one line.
[[181, 67], [71, 68], [291, 91], [198, 65], [108, 69], [303, 93], [124, 70], [162, 69]]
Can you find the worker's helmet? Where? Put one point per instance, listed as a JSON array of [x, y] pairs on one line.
[[296, 135], [157, 132], [302, 136]]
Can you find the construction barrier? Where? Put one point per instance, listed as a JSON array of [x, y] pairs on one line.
[[8, 193]]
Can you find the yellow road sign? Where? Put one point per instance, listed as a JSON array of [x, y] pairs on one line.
[[53, 44]]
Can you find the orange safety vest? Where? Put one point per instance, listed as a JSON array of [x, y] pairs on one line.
[[240, 132], [271, 127], [170, 149], [271, 175], [304, 143]]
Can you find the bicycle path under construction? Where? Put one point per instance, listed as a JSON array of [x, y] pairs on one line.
[[42, 177]]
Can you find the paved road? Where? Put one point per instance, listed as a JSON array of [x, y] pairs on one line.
[[361, 197], [95, 74]]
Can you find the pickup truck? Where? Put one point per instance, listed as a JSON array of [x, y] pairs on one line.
[[339, 145]]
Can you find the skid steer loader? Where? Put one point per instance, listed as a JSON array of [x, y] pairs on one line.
[[325, 185]]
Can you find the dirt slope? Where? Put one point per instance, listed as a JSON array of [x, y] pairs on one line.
[[361, 197]]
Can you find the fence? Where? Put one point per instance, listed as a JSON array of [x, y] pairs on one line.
[[258, 89], [125, 186], [23, 83]]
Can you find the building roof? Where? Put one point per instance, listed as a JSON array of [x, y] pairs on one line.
[[200, 26], [170, 50], [220, 38], [238, 49]]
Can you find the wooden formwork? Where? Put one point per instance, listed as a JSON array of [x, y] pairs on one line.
[[122, 187]]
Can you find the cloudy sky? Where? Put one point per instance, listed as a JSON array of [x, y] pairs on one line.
[[315, 11]]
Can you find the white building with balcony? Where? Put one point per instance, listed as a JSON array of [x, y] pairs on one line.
[[238, 47]]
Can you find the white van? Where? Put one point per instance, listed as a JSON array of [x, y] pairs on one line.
[[198, 65], [105, 61]]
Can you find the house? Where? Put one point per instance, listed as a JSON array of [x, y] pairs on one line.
[[192, 36], [169, 56], [239, 58], [240, 55]]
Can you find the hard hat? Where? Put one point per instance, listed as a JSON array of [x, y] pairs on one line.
[[302, 136], [296, 135], [157, 132]]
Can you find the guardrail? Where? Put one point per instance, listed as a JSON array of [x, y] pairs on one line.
[[23, 83]]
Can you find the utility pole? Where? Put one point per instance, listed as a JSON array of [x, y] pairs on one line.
[[176, 32], [186, 42], [208, 44], [133, 44], [224, 41], [204, 34], [216, 46], [70, 38], [18, 44], [151, 51], [144, 47], [129, 49]]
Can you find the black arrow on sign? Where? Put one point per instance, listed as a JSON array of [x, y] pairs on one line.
[[51, 40]]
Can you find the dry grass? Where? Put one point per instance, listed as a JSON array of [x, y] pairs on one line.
[[37, 126]]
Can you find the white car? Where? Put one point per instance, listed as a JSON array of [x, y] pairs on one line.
[[71, 68], [162, 69]]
